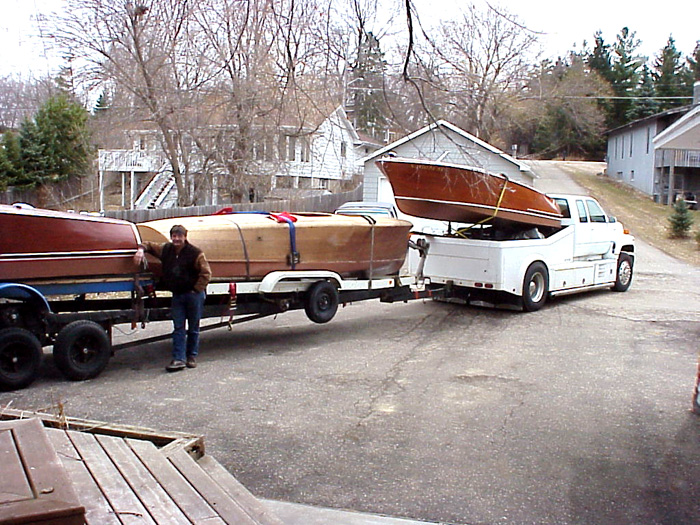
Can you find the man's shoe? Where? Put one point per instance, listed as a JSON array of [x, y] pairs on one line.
[[191, 362], [175, 365]]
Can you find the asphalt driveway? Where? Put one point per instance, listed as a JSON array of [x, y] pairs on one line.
[[578, 413]]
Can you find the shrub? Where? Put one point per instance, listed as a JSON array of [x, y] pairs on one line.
[[680, 220]]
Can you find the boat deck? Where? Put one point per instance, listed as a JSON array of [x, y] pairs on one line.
[[117, 476]]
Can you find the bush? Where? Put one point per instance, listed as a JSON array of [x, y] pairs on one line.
[[680, 220]]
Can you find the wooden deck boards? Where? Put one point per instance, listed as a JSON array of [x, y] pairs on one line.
[[125, 480]]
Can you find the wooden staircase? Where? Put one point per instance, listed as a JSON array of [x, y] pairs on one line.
[[121, 479]]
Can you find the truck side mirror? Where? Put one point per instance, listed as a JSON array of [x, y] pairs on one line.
[[612, 219]]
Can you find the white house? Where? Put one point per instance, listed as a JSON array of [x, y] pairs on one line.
[[650, 155], [442, 141], [324, 158]]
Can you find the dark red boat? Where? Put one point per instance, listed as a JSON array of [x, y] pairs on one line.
[[452, 192], [38, 244]]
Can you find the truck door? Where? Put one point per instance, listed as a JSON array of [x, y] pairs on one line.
[[583, 239], [600, 228]]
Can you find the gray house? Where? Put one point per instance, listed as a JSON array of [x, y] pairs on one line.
[[446, 142], [659, 155]]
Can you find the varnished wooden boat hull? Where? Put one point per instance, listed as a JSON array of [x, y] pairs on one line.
[[37, 244], [248, 245], [451, 192]]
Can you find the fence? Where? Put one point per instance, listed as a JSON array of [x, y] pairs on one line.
[[322, 203]]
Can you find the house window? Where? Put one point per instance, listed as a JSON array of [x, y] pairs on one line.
[[343, 150], [622, 149], [322, 184], [632, 176], [142, 142], [631, 144], [648, 138]]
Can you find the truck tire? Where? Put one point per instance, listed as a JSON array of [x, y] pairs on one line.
[[535, 287], [623, 280], [20, 358], [82, 350], [321, 302]]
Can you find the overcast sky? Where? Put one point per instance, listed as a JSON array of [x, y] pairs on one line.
[[563, 25]]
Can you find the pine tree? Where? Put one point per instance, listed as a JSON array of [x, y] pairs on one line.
[[668, 76], [625, 76], [367, 91], [54, 144], [680, 220], [10, 160], [645, 105], [694, 63]]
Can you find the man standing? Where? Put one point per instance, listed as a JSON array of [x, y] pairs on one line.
[[186, 274]]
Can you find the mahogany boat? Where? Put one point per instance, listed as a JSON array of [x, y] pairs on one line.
[[453, 192], [243, 246], [38, 244]]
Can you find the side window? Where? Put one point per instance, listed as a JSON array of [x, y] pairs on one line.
[[596, 212], [582, 214], [563, 207]]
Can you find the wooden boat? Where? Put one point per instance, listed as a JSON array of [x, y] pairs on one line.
[[38, 244], [452, 192], [242, 246]]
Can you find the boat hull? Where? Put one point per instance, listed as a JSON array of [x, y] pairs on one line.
[[37, 244], [244, 246], [451, 192]]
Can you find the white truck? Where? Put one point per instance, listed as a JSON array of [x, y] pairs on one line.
[[591, 250]]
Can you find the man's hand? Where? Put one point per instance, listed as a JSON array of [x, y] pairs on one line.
[[139, 256]]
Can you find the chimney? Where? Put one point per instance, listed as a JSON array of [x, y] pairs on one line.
[[696, 92]]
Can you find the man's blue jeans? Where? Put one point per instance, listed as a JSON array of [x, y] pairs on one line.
[[186, 307]]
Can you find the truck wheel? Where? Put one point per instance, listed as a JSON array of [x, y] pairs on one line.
[[321, 302], [82, 350], [624, 273], [20, 358], [535, 287]]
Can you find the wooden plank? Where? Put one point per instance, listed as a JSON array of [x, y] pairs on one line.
[[252, 505], [14, 484], [85, 425], [115, 488], [227, 507], [189, 500], [98, 511], [147, 489], [53, 499]]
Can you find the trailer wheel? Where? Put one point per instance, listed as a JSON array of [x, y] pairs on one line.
[[321, 302], [624, 273], [82, 350], [20, 358], [535, 287]]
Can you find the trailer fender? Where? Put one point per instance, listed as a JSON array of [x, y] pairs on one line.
[[24, 293]]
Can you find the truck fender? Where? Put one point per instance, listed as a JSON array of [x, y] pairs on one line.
[[24, 293], [523, 269]]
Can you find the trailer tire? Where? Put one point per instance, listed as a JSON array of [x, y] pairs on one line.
[[321, 302], [623, 280], [20, 358], [535, 287], [82, 350]]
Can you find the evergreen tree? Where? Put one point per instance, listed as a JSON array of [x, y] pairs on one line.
[[10, 160], [625, 77], [680, 220], [366, 89], [668, 76], [645, 105], [599, 59], [694, 63], [54, 144]]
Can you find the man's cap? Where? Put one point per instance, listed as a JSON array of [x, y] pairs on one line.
[[178, 228]]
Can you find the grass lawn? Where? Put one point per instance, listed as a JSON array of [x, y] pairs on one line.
[[640, 215]]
